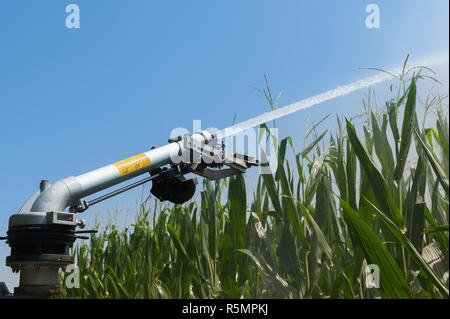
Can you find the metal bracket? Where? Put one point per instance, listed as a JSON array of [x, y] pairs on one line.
[[61, 218], [214, 156], [214, 174]]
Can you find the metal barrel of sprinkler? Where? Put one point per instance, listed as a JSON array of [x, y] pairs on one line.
[[41, 234]]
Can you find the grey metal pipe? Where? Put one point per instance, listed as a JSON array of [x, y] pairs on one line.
[[67, 191], [110, 175]]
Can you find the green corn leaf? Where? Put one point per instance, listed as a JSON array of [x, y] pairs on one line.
[[443, 142], [382, 148], [269, 184], [440, 228], [368, 140], [351, 175], [320, 236], [177, 242], [392, 112], [378, 184], [413, 251], [434, 224], [308, 149], [262, 264], [392, 282], [405, 142], [440, 173]]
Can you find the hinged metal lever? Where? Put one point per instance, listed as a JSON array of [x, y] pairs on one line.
[[82, 205]]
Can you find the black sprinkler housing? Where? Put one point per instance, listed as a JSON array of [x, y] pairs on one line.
[[173, 187]]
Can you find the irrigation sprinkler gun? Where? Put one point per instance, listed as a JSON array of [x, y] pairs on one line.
[[42, 233]]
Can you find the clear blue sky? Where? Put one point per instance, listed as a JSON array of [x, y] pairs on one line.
[[76, 99]]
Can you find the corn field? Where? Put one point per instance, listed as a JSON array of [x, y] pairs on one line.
[[373, 194]]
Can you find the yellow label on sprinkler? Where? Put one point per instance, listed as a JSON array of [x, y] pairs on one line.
[[133, 163]]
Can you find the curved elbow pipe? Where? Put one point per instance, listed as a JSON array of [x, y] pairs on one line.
[[58, 196]]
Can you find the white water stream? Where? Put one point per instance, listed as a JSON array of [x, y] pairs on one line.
[[329, 95]]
